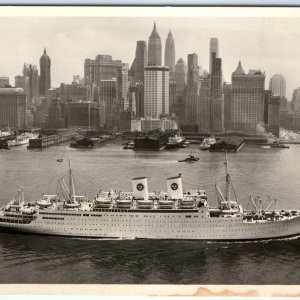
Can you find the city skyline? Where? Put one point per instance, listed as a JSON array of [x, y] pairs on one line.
[[70, 45]]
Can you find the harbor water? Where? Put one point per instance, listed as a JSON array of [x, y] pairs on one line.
[[48, 259]]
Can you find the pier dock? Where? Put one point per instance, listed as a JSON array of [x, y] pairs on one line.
[[50, 140]]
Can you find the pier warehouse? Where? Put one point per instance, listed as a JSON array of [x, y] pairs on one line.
[[230, 144]]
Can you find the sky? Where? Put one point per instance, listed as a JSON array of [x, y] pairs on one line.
[[266, 43]]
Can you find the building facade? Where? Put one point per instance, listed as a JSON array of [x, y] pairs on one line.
[[107, 102], [213, 50], [248, 101], [31, 83], [192, 91], [272, 113], [217, 97], [180, 75], [45, 74], [277, 85], [170, 54], [203, 110], [12, 108], [154, 48], [140, 61], [122, 87], [4, 82], [103, 67], [156, 91]]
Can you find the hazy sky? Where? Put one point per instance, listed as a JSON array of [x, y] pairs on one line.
[[269, 44]]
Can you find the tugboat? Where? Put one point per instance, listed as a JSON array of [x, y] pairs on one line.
[[207, 142], [190, 158]]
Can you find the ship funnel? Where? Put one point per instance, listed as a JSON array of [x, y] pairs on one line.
[[174, 187], [140, 188]]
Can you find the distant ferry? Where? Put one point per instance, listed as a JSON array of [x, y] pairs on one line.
[[143, 215]]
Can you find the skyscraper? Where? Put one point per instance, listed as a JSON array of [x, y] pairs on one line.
[[203, 109], [213, 48], [247, 102], [156, 91], [122, 87], [154, 48], [192, 92], [107, 102], [140, 61], [217, 97], [277, 85], [31, 82], [45, 74], [170, 55], [180, 75]]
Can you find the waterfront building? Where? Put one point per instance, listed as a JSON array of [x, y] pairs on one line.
[[247, 103], [103, 67], [272, 113], [40, 111], [217, 97], [156, 91], [180, 75], [83, 114], [277, 85], [140, 61], [170, 55], [55, 115], [107, 102], [131, 100], [203, 110], [154, 48], [45, 74], [12, 108], [192, 91], [213, 50], [29, 118], [163, 124], [4, 82]]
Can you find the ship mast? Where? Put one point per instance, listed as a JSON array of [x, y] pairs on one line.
[[228, 181], [71, 181]]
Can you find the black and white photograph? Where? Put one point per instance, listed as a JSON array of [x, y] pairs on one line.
[[150, 145]]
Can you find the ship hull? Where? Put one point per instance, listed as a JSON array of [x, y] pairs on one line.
[[140, 224]]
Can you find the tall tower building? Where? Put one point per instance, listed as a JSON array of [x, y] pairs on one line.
[[31, 82], [277, 85], [247, 101], [140, 61], [156, 91], [217, 97], [45, 74], [122, 87], [154, 48], [203, 109], [170, 55], [213, 48], [192, 92], [180, 75]]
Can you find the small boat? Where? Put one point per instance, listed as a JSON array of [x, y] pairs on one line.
[[190, 158], [207, 142]]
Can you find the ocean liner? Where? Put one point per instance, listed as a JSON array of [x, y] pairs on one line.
[[174, 214]]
